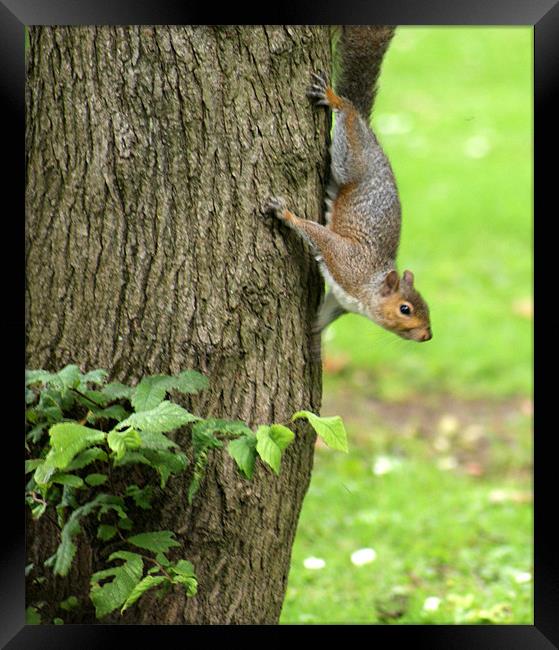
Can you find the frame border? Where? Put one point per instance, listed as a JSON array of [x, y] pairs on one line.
[[544, 16]]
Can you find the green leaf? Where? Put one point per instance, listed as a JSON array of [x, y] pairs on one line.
[[36, 433], [164, 462], [150, 392], [115, 390], [141, 496], [44, 473], [67, 479], [158, 542], [58, 621], [183, 573], [203, 431], [107, 597], [68, 439], [38, 510], [330, 429], [32, 616], [243, 451], [121, 441], [166, 416], [114, 412], [98, 377], [125, 524], [29, 396], [96, 479], [66, 550], [97, 397], [70, 603], [105, 532], [32, 464], [140, 589], [189, 381], [69, 376], [271, 441], [154, 440], [184, 568], [36, 377], [162, 559], [87, 457]]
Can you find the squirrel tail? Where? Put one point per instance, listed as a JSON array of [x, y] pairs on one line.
[[359, 53]]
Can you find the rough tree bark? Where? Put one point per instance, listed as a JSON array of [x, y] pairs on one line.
[[150, 151]]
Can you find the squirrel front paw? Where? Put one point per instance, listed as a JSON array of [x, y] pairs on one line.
[[276, 206], [317, 90]]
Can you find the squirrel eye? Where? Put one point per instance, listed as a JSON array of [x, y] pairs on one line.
[[405, 309]]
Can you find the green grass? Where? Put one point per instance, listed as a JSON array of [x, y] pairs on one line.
[[454, 114], [434, 534], [452, 519]]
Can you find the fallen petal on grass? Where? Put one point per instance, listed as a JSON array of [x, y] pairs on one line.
[[363, 556], [431, 604], [314, 563]]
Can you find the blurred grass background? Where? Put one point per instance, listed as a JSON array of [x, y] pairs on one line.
[[437, 485]]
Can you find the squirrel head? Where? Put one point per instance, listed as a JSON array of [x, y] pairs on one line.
[[401, 309]]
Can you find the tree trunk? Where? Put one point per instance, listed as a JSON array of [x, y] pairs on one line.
[[150, 152]]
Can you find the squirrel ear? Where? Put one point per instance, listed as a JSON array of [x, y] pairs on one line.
[[408, 278], [390, 284]]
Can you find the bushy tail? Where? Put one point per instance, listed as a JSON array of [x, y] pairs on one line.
[[359, 53]]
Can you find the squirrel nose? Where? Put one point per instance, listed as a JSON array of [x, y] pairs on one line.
[[427, 336]]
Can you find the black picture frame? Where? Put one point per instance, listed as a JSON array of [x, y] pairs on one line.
[[543, 15]]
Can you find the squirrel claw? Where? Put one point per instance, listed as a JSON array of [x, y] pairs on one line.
[[320, 78], [317, 88], [275, 205]]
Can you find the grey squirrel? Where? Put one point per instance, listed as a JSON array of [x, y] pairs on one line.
[[358, 246]]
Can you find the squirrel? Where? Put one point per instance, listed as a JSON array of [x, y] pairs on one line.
[[358, 246]]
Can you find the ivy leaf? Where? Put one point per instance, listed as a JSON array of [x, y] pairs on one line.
[[107, 597], [330, 429], [121, 441], [166, 416], [243, 451], [271, 441], [140, 589], [158, 542], [69, 438]]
